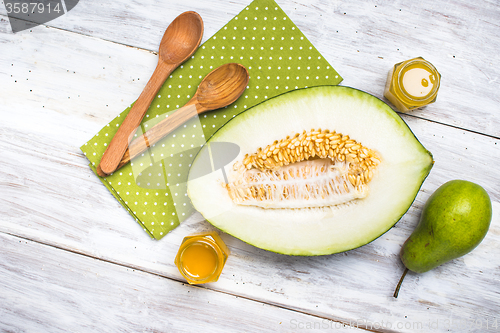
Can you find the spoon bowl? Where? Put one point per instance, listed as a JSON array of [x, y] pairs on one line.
[[176, 45], [219, 88], [222, 86], [179, 42]]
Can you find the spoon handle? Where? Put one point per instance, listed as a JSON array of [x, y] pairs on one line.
[[119, 143], [160, 130]]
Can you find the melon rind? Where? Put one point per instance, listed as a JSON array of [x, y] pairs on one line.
[[318, 231]]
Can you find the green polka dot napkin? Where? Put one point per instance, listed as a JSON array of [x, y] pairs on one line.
[[278, 57]]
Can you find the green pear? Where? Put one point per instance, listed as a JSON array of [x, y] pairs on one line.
[[454, 221]]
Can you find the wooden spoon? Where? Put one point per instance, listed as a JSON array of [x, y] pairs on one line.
[[181, 39], [219, 88]]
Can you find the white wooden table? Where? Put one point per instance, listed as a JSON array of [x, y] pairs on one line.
[[72, 259]]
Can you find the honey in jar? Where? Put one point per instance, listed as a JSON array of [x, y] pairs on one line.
[[412, 84], [201, 258]]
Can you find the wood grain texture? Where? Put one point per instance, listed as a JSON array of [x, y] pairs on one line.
[[218, 89], [362, 39], [58, 291], [118, 145], [180, 41], [56, 87], [344, 287]]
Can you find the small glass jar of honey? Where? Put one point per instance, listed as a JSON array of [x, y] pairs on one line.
[[201, 257], [412, 84]]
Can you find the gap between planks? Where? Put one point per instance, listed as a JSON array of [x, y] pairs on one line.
[[449, 125], [156, 53], [82, 34], [409, 118], [134, 268]]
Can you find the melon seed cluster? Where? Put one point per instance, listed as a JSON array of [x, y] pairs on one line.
[[323, 144], [313, 145]]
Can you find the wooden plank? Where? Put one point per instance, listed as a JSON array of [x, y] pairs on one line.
[[48, 194], [58, 291], [361, 39], [140, 24]]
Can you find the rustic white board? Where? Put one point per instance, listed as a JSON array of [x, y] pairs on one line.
[[67, 88], [361, 39], [58, 291]]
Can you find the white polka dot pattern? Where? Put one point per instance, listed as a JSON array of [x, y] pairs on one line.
[[278, 57]]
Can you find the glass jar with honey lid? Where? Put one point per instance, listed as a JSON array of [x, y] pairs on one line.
[[201, 257], [412, 84]]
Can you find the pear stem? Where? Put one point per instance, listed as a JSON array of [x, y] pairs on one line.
[[396, 292]]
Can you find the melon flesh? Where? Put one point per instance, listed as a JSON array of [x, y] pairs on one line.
[[324, 226]]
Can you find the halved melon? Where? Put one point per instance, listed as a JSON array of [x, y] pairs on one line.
[[320, 170]]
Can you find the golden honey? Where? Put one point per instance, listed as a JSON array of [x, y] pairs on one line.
[[412, 84], [201, 258]]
